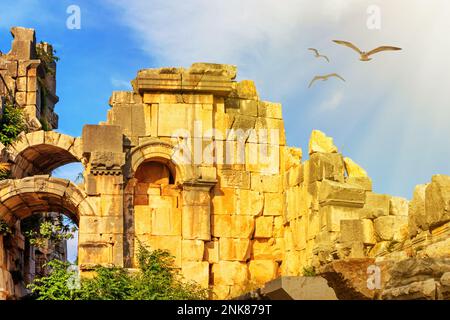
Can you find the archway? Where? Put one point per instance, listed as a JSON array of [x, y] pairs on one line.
[[40, 152], [23, 198]]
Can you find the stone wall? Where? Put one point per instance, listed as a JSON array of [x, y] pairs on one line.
[[30, 79], [192, 161]]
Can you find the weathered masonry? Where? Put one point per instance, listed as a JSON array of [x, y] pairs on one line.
[[192, 161]]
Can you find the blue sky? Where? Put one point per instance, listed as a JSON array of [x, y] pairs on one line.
[[390, 116]]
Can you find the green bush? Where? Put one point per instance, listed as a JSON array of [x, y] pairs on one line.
[[156, 279], [11, 123], [309, 271]]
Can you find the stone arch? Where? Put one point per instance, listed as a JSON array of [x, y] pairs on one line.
[[163, 152], [20, 198], [40, 152]]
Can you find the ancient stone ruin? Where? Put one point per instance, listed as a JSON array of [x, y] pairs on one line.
[[192, 161]]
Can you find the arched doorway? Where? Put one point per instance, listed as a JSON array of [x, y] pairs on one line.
[[21, 199], [156, 206]]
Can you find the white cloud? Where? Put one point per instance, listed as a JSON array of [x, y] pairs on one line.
[[393, 111], [333, 102], [121, 84]]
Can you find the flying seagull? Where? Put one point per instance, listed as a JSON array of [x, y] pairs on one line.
[[325, 78], [364, 56], [318, 55]]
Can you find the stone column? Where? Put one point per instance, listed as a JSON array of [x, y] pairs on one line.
[[101, 235]]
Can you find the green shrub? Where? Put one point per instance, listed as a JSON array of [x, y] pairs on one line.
[[156, 279], [309, 271], [12, 123]]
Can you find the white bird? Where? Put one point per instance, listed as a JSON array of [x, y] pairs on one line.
[[325, 78], [318, 55], [364, 56]]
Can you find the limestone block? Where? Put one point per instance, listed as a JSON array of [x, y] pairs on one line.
[[262, 158], [358, 230], [269, 110], [379, 248], [272, 249], [166, 220], [278, 227], [229, 273], [100, 225], [195, 197], [21, 84], [437, 201], [211, 251], [21, 98], [376, 205], [192, 250], [102, 138], [398, 206], [389, 228], [326, 166], [196, 222], [249, 107], [293, 157], [262, 271], [221, 225], [269, 131], [246, 89], [142, 220], [227, 71], [313, 225], [333, 215], [265, 183], [124, 97], [241, 127], [250, 202], [291, 265], [174, 117], [109, 205], [234, 179], [223, 201], [97, 252], [242, 226], [295, 175], [169, 243], [362, 182], [319, 142], [416, 211], [32, 84], [264, 227], [221, 292], [439, 249], [197, 272], [299, 233], [353, 169], [419, 290], [273, 204], [232, 249], [335, 193], [6, 284]]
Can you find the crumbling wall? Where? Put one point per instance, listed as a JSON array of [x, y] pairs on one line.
[[28, 79]]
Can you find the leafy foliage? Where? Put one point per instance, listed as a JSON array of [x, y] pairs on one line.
[[48, 58], [4, 171], [4, 228], [39, 230], [309, 271], [156, 279], [12, 123]]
